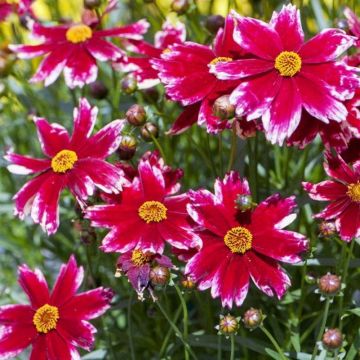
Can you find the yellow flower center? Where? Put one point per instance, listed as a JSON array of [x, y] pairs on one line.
[[45, 318], [139, 258], [152, 211], [288, 63], [354, 192], [63, 161], [238, 239], [79, 33], [220, 59], [166, 51]]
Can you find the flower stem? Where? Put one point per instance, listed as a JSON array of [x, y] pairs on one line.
[[131, 344], [232, 150], [185, 320], [274, 342], [232, 352], [322, 327]]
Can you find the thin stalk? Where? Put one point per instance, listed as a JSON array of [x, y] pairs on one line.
[[131, 343], [220, 154], [185, 320], [219, 350], [232, 149], [232, 349], [322, 327], [274, 342], [157, 144]]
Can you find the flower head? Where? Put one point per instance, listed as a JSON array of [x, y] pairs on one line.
[[75, 162], [239, 245], [53, 323], [343, 192], [74, 50], [283, 75]]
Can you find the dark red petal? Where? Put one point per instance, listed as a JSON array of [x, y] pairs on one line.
[[52, 33], [121, 241], [53, 137], [67, 283], [187, 118], [81, 185], [103, 50], [348, 222], [267, 274], [181, 238], [34, 285], [325, 190], [24, 165], [39, 350], [59, 348], [333, 210], [151, 239], [130, 31], [152, 181], [30, 51], [337, 168], [12, 315]]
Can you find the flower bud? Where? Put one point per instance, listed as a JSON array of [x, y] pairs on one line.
[[253, 318], [91, 4], [159, 275], [332, 339], [244, 202], [127, 147], [214, 22], [327, 228], [187, 282], [149, 130], [129, 84], [228, 325], [180, 6], [98, 90], [342, 24], [310, 278], [136, 115], [329, 284], [223, 109]]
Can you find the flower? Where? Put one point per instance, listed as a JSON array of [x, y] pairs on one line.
[[145, 215], [137, 266], [74, 49], [343, 191], [140, 66], [55, 323], [76, 162], [185, 71], [5, 10], [354, 24], [283, 74], [238, 245]]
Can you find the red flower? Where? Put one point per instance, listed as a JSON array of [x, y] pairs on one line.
[[145, 216], [75, 49], [239, 244], [140, 66], [54, 324], [286, 74], [343, 191], [5, 9], [75, 162], [354, 24], [185, 70]]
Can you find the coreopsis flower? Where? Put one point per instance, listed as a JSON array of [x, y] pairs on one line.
[[239, 245], [343, 192], [140, 66], [74, 49], [283, 75], [76, 162], [55, 324], [185, 71], [145, 215], [354, 24], [137, 266]]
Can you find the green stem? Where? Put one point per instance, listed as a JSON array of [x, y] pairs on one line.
[[220, 155], [185, 320], [219, 350], [232, 352], [131, 344], [322, 327], [232, 150], [157, 144], [274, 342]]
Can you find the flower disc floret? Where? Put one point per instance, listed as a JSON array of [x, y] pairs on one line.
[[139, 258], [288, 63], [79, 33], [354, 191], [152, 211], [238, 239], [63, 161], [46, 318], [220, 59]]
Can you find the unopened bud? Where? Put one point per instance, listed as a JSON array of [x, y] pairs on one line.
[[223, 109], [228, 325], [180, 6], [342, 24], [148, 131], [127, 147], [327, 228], [214, 22], [310, 278], [253, 318], [244, 202], [136, 115], [329, 284], [129, 84], [159, 275], [188, 282], [332, 339], [98, 90]]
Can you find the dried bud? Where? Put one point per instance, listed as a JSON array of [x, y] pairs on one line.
[[253, 318], [98, 90], [136, 115], [214, 22], [228, 324], [327, 228], [91, 4], [159, 275], [188, 282], [129, 84], [329, 284], [244, 202], [127, 147], [149, 130], [332, 339], [223, 109], [180, 6]]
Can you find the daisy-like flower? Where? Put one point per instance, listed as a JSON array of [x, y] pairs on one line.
[[146, 215], [239, 245], [137, 265], [55, 323], [185, 70], [343, 191], [140, 66], [76, 162], [74, 49], [283, 74]]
